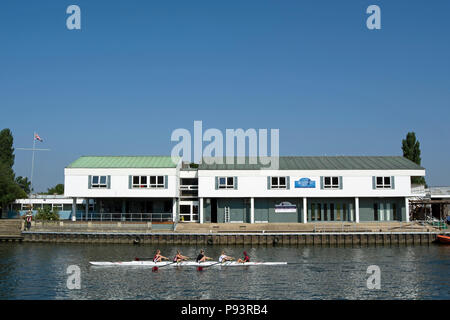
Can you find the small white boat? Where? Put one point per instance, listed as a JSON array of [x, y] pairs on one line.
[[184, 263]]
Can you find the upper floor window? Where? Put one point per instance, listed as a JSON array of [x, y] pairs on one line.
[[226, 182], [278, 183], [331, 182], [99, 182], [383, 182], [140, 181], [148, 181], [156, 182]]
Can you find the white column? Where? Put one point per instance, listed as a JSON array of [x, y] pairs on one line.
[[407, 209], [305, 210], [357, 210], [201, 210], [74, 209], [174, 209], [252, 210]]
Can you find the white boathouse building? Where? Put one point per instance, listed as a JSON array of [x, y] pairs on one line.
[[303, 189]]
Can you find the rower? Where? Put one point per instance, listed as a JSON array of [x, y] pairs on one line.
[[179, 257], [246, 258], [158, 257], [224, 258], [201, 257]]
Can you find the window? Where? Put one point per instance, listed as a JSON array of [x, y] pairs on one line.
[[168, 206], [331, 182], [226, 182], [383, 183], [57, 206], [140, 182], [147, 182], [98, 182], [156, 182], [313, 212], [26, 206], [278, 183], [332, 211]]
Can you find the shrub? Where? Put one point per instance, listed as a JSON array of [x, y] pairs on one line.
[[47, 214]]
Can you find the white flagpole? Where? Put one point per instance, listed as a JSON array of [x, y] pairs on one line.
[[32, 160], [32, 164]]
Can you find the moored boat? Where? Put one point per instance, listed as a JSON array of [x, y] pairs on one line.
[[443, 239]]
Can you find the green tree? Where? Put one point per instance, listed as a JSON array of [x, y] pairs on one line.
[[24, 183], [58, 189], [411, 151], [9, 189], [6, 148]]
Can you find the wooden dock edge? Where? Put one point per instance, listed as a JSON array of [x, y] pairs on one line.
[[321, 239]]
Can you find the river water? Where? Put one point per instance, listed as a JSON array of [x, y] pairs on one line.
[[39, 271]]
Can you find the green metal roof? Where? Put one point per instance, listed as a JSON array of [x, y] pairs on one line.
[[124, 162], [323, 163]]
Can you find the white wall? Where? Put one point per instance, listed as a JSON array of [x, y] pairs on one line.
[[188, 174], [356, 183], [49, 201], [76, 183]]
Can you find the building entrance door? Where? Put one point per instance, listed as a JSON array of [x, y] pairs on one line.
[[189, 211]]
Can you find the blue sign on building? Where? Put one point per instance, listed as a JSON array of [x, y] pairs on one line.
[[305, 183]]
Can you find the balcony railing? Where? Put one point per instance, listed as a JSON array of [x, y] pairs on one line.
[[418, 190], [189, 187], [188, 191], [150, 217]]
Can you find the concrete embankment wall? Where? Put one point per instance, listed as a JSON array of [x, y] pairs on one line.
[[10, 229], [377, 238]]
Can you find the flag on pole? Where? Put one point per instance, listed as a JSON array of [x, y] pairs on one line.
[[36, 137]]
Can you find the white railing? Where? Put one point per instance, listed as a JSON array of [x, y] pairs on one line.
[[150, 217], [188, 187], [418, 190]]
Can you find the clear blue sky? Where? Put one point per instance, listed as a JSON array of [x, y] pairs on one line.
[[140, 69]]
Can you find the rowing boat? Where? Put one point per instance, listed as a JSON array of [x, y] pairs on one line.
[[443, 239], [184, 263]]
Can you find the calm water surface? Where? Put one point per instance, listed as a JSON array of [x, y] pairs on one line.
[[38, 271]]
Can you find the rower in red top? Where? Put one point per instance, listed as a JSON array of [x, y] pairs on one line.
[[179, 257], [246, 258], [158, 257]]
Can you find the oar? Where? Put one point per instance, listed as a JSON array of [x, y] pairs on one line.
[[199, 268], [155, 268]]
